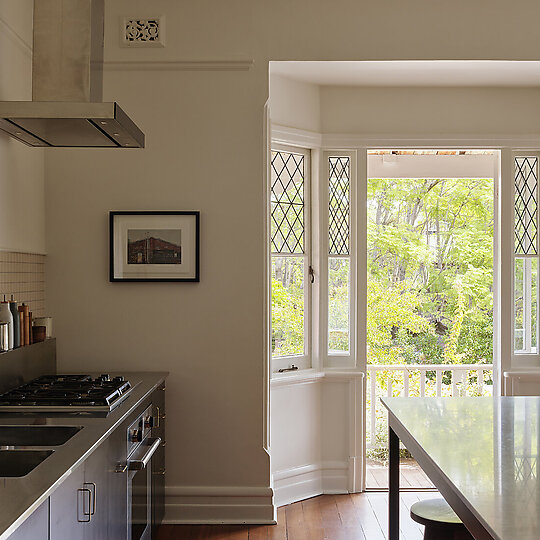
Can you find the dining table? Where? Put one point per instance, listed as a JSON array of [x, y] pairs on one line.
[[482, 455]]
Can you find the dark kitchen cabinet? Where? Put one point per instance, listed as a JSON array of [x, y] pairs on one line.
[[96, 478], [36, 527], [117, 500], [66, 508], [158, 460], [79, 507]]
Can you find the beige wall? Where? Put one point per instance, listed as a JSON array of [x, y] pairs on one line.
[[204, 150], [294, 103], [430, 111], [372, 111], [204, 127], [22, 209]]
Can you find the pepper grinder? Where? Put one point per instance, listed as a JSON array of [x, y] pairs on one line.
[[16, 323], [7, 317]]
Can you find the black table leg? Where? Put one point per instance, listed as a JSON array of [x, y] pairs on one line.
[[393, 487]]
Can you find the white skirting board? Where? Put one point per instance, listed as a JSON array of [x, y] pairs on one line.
[[213, 504], [299, 483]]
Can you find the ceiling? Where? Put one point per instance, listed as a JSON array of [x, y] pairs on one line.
[[413, 73]]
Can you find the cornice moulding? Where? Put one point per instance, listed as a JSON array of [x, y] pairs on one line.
[[178, 65]]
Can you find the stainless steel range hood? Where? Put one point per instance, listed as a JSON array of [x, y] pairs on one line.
[[67, 84]]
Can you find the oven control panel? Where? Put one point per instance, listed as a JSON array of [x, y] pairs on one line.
[[139, 430]]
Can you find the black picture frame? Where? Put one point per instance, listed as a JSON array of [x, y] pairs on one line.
[[154, 246]]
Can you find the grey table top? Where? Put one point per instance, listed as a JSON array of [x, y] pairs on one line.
[[482, 454], [19, 497]]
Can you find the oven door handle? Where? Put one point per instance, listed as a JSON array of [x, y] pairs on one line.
[[139, 464]]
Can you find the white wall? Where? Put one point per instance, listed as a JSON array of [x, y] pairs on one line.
[[294, 104], [22, 199], [204, 121], [313, 428], [430, 111]]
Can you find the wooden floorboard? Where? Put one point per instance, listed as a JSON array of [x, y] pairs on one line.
[[359, 516], [411, 476]]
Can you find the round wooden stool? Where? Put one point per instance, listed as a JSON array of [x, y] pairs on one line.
[[440, 520]]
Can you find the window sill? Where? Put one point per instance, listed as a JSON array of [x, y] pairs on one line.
[[310, 376], [527, 373]]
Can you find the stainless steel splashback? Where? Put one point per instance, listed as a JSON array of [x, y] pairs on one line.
[[26, 363]]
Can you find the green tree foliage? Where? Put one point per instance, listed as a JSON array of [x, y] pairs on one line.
[[430, 249], [338, 303], [392, 309], [287, 306]]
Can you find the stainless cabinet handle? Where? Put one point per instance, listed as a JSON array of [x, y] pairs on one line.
[[93, 497], [83, 491], [121, 468], [139, 464]]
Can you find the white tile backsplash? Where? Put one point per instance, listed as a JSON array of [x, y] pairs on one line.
[[23, 276]]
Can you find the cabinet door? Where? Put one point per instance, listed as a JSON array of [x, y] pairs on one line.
[[158, 460], [66, 508], [36, 527], [117, 526], [96, 475]]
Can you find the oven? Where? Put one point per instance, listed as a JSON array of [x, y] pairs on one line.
[[141, 446]]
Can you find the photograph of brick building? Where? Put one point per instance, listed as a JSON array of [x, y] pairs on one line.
[[154, 246]]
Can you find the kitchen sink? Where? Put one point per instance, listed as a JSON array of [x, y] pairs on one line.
[[16, 463], [36, 435]]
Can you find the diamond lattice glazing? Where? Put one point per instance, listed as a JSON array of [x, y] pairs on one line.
[[526, 205], [287, 202], [338, 205]]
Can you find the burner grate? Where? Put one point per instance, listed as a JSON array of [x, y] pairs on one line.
[[67, 391]]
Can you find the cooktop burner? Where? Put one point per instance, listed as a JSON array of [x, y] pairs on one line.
[[67, 392]]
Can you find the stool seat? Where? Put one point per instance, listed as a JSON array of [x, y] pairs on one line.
[[440, 520]]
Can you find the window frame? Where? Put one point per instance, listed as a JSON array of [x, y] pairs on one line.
[[303, 361], [338, 359], [524, 357]]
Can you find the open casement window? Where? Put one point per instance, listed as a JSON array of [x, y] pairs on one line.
[[290, 258], [339, 237], [525, 254]]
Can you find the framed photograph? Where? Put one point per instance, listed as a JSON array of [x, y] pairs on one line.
[[154, 246]]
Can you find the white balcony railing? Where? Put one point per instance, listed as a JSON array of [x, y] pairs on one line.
[[420, 380]]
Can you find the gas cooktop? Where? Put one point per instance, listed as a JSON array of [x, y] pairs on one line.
[[52, 393]]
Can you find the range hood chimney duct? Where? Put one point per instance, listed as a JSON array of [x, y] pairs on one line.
[[67, 83]]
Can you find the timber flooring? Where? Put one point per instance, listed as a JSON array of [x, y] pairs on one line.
[[411, 476], [359, 516]]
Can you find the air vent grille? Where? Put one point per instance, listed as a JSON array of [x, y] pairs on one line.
[[143, 32]]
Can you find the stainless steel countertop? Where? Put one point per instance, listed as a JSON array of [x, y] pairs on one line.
[[482, 454], [19, 497]]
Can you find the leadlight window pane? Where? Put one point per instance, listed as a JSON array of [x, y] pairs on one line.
[[287, 202], [525, 304], [338, 205], [287, 305], [339, 271], [526, 205]]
